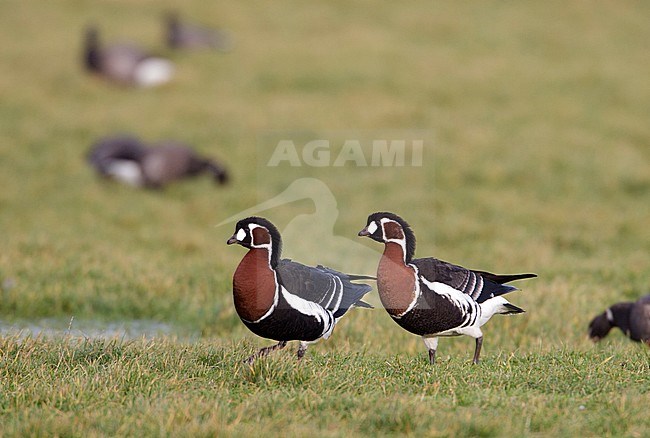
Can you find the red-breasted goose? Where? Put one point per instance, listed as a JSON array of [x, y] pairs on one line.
[[284, 300], [130, 161], [183, 35], [633, 318], [430, 297], [125, 64]]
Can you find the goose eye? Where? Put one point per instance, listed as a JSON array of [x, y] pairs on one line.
[[241, 234], [372, 227]]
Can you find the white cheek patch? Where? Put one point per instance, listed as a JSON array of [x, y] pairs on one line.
[[372, 227], [241, 234]]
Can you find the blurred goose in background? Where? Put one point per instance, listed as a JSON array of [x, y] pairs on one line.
[[119, 157], [169, 161], [128, 160], [183, 35], [125, 63], [633, 318]]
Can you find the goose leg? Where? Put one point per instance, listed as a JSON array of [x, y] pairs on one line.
[[477, 351], [432, 346], [265, 352], [432, 356], [301, 350]]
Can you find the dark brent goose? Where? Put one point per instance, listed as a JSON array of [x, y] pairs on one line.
[[284, 300], [125, 64], [171, 161], [128, 160], [430, 297], [633, 318], [183, 35], [119, 157]]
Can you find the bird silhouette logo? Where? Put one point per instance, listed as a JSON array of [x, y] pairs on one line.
[[309, 237]]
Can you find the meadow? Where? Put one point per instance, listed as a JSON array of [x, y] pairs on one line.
[[534, 117]]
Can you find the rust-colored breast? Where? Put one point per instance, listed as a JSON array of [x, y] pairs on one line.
[[395, 280], [253, 285]]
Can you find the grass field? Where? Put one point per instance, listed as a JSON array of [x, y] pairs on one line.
[[534, 117]]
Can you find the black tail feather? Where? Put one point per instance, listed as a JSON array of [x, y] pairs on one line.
[[352, 292], [363, 304], [501, 279], [352, 295], [512, 309]]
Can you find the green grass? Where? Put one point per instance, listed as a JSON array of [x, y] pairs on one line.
[[534, 116], [163, 387]]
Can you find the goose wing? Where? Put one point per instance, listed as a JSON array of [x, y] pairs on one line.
[[326, 287], [479, 285]]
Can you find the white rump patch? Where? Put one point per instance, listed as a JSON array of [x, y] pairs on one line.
[[153, 71], [126, 171]]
